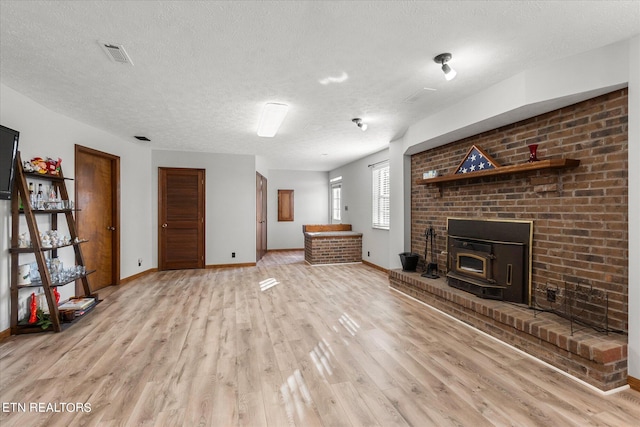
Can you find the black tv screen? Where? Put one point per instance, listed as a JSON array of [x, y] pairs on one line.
[[8, 152]]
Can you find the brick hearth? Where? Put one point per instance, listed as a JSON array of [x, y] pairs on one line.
[[596, 358]]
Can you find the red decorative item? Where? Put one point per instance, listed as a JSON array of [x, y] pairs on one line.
[[51, 166], [533, 150], [34, 309], [57, 295]]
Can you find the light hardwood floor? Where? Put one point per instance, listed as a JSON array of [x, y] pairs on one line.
[[285, 343]]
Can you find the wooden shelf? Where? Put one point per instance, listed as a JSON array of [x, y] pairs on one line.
[[48, 211], [31, 250], [45, 176], [504, 170], [26, 328], [38, 284]]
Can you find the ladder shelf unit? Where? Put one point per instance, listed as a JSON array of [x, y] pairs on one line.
[[20, 196]]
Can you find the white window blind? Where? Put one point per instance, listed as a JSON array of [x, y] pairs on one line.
[[336, 199], [380, 195]]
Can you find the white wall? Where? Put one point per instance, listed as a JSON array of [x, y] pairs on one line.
[[230, 210], [262, 166], [634, 209], [356, 207], [46, 133], [400, 202], [311, 205]]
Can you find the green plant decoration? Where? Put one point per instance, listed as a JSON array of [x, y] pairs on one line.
[[44, 319]]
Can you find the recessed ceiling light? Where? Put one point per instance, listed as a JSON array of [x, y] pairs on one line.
[[272, 117]]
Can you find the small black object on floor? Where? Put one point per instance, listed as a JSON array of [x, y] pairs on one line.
[[409, 261], [431, 268]]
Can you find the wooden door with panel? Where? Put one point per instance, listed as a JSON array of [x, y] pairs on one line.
[[181, 212]]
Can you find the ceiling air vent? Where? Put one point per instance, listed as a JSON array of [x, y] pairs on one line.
[[116, 53], [142, 138]]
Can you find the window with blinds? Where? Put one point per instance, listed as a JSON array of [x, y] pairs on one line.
[[380, 195], [336, 202]]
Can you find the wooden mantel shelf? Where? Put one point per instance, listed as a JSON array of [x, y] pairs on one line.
[[504, 170]]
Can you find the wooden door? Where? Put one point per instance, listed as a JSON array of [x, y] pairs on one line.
[[261, 216], [97, 198], [181, 201]]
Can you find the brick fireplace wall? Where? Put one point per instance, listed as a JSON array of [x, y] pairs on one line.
[[580, 218]]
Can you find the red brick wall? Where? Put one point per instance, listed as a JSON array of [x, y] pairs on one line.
[[580, 214]]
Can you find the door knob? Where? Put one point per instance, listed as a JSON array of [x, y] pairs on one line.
[[164, 225], [111, 228]]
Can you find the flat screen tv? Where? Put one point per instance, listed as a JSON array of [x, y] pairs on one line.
[[8, 153]]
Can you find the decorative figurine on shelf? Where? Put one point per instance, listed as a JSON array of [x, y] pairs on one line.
[[39, 165], [27, 166], [533, 153], [43, 165], [34, 309], [46, 241], [53, 166], [57, 295], [22, 240]]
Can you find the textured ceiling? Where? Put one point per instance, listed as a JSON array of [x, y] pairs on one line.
[[203, 70]]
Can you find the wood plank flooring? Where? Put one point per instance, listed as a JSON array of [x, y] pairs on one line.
[[282, 344]]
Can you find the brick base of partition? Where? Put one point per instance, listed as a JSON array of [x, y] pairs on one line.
[[332, 249], [596, 358]]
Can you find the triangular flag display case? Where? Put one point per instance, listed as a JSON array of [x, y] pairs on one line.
[[21, 206], [476, 160]]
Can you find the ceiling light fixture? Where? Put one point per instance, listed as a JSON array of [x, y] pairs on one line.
[[272, 117], [443, 58], [362, 125]]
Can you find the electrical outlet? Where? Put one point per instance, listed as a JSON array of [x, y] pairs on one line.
[[139, 262], [368, 253], [551, 295], [233, 254]]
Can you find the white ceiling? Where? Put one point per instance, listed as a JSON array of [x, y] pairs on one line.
[[203, 70]]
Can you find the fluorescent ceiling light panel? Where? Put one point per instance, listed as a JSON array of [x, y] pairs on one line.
[[272, 117]]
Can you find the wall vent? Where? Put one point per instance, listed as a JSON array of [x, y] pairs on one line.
[[116, 53]]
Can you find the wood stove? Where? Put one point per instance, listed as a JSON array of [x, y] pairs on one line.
[[490, 258]]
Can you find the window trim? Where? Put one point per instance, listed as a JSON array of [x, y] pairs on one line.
[[379, 218]]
